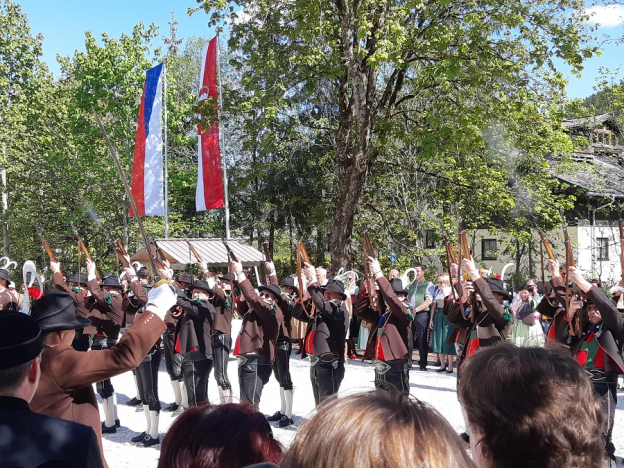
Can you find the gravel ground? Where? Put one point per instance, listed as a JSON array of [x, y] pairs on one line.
[[436, 389]]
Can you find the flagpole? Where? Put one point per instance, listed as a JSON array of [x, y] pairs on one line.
[[222, 145], [166, 175]]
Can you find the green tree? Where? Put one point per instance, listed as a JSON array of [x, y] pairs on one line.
[[382, 63]]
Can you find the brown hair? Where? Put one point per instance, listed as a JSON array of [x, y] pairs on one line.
[[376, 429], [532, 407], [225, 436]]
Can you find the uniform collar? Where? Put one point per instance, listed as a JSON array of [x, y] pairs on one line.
[[13, 403]]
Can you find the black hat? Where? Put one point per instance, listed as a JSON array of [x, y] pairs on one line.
[[498, 287], [142, 271], [4, 274], [336, 286], [203, 285], [397, 286], [55, 311], [289, 282], [20, 339], [79, 278], [273, 288], [226, 277], [186, 278], [111, 280]]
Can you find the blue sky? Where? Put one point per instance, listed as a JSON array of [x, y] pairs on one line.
[[63, 23]]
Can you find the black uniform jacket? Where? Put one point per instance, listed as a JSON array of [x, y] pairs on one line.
[[30, 440], [332, 323], [286, 328], [194, 329]]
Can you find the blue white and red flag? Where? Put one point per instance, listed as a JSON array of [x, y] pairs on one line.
[[147, 170]]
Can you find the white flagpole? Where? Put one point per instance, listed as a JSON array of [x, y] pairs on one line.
[[222, 145], [166, 174]]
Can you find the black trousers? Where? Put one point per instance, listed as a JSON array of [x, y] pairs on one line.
[[326, 377], [147, 378], [104, 388], [281, 365], [196, 367], [173, 362], [606, 393], [254, 372], [420, 326], [221, 346], [392, 375]]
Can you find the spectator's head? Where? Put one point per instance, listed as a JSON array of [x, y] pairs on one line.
[[530, 407], [394, 273], [524, 294], [443, 281], [321, 275], [376, 429], [20, 348], [420, 272], [225, 436]]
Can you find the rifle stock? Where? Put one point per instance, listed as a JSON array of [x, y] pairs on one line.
[[368, 251], [547, 246], [122, 252], [49, 251], [302, 256], [195, 252]]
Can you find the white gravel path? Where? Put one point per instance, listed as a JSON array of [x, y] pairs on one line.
[[436, 389]]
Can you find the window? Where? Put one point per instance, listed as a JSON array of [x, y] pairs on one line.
[[488, 249], [602, 248], [429, 239]]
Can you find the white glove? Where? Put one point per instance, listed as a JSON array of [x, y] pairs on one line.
[[160, 300], [270, 268], [237, 267], [130, 272], [90, 270], [310, 272], [166, 273], [374, 267], [55, 267]]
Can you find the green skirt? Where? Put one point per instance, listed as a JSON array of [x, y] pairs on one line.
[[442, 329]]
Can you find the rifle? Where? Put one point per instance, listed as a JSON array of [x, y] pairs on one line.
[[231, 258], [159, 257], [544, 244], [622, 251], [368, 251], [83, 247], [464, 251], [302, 255], [450, 259], [47, 248], [267, 258], [122, 252], [194, 250], [569, 256]]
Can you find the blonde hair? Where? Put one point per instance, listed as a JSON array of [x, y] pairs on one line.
[[377, 429]]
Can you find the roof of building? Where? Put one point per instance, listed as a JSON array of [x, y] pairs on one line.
[[600, 175], [586, 122], [212, 251]]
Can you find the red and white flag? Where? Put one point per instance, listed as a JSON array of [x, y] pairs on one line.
[[147, 170], [209, 194]]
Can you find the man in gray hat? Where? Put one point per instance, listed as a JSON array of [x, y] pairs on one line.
[[30, 439]]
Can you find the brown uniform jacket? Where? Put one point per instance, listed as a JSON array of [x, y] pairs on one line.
[[332, 323], [491, 326], [81, 300], [134, 303], [394, 339], [65, 389], [106, 319], [285, 330], [7, 301], [260, 329], [224, 313], [559, 331], [194, 329]]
